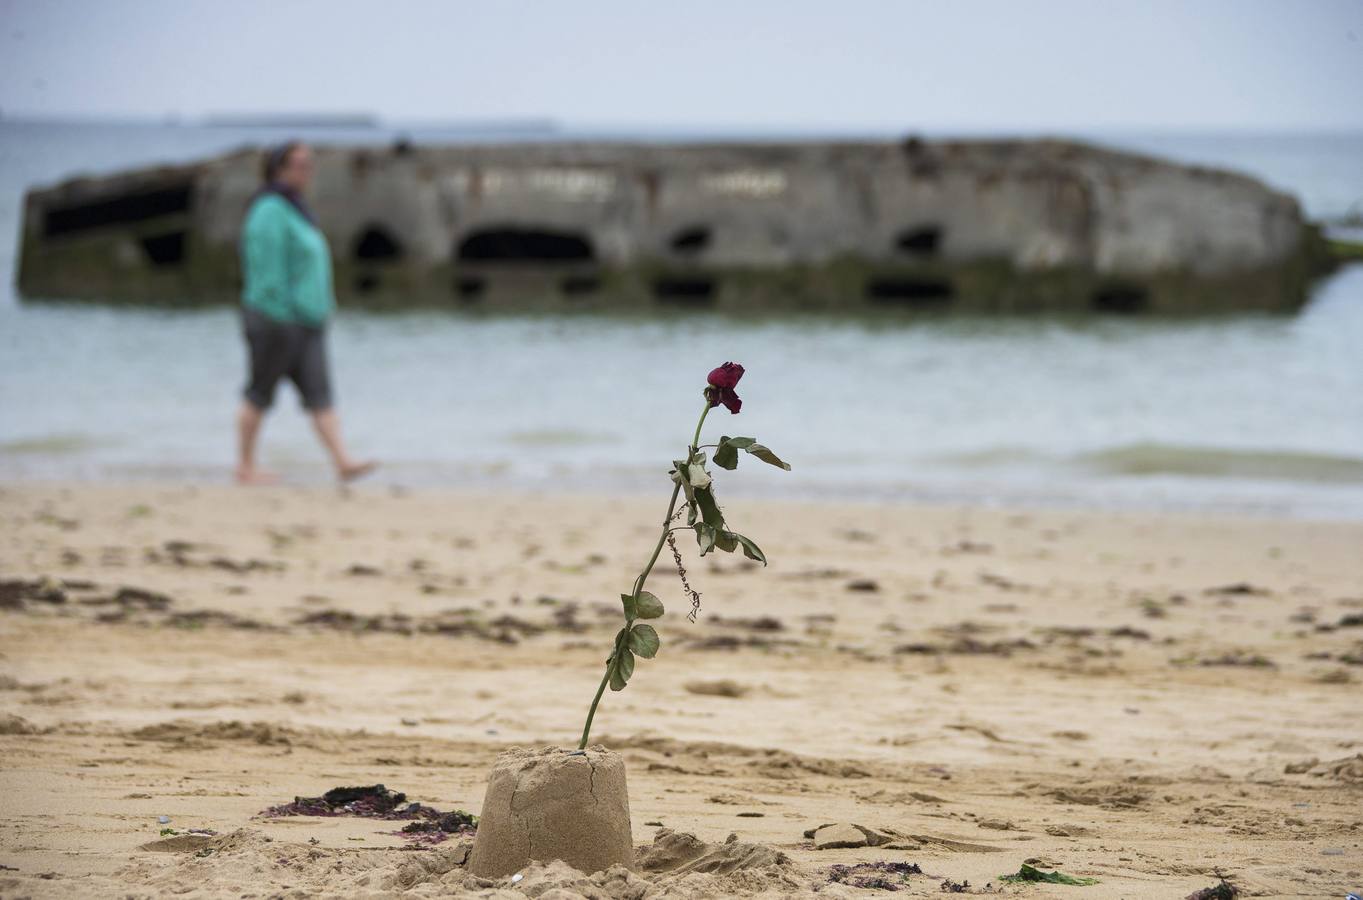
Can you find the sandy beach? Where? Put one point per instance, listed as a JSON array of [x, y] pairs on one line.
[[1144, 699]]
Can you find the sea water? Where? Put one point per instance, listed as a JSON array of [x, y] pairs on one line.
[[1243, 413]]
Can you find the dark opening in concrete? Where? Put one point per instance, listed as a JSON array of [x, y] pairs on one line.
[[1126, 299], [122, 210], [689, 291], [923, 292], [922, 241], [366, 283], [578, 285], [377, 244], [165, 249], [691, 241], [526, 245], [469, 288]]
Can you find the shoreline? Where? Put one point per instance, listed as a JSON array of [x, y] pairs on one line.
[[924, 497]]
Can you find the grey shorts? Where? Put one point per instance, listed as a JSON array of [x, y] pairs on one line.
[[285, 350]]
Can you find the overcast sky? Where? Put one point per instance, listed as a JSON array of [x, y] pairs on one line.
[[758, 65]]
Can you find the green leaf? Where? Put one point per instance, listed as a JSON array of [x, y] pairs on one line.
[[647, 606], [765, 454], [643, 640], [1028, 873], [750, 549], [709, 509], [726, 541], [726, 455], [631, 610], [621, 670], [705, 537]]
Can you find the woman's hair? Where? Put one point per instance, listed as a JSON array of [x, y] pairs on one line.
[[276, 157]]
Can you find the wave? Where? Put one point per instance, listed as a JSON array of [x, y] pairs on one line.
[[1153, 458], [52, 444], [1223, 462]]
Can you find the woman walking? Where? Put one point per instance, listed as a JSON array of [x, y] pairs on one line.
[[286, 301]]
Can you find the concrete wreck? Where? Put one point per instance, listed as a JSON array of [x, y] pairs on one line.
[[972, 226]]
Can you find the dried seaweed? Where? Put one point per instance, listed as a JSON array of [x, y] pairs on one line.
[[1030, 874], [429, 825], [1223, 891], [881, 876]]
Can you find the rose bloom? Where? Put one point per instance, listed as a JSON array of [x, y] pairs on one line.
[[722, 382]]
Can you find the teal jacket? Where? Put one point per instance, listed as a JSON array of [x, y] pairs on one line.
[[286, 265]]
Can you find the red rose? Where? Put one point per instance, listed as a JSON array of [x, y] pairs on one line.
[[726, 376], [722, 383]]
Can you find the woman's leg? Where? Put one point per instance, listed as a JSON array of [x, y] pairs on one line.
[[249, 417], [313, 377], [328, 426], [269, 351]]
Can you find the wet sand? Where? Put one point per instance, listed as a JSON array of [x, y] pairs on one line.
[[1143, 699]]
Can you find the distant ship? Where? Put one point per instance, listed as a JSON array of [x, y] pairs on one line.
[[292, 120]]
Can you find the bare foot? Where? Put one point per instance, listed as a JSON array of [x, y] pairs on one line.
[[356, 471], [256, 476]]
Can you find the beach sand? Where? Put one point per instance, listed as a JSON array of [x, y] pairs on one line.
[[1143, 699]]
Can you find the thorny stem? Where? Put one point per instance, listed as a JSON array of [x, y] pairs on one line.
[[639, 586], [667, 526], [686, 585], [615, 654]]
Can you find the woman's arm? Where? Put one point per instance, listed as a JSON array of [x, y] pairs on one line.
[[266, 252]]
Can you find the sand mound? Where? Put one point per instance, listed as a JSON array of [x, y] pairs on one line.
[[1347, 771], [554, 804], [556, 880], [678, 853], [247, 860], [675, 865], [12, 724], [180, 843]]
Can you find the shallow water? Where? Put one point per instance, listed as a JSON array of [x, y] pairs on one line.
[[1259, 412], [1231, 413]]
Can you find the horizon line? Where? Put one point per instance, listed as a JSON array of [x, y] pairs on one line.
[[365, 121]]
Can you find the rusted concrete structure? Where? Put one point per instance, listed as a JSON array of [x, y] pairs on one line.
[[971, 226]]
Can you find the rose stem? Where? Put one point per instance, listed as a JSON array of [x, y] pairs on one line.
[[639, 586]]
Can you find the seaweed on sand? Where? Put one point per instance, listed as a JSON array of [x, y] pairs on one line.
[[883, 876], [1030, 873], [428, 826], [1223, 891]]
